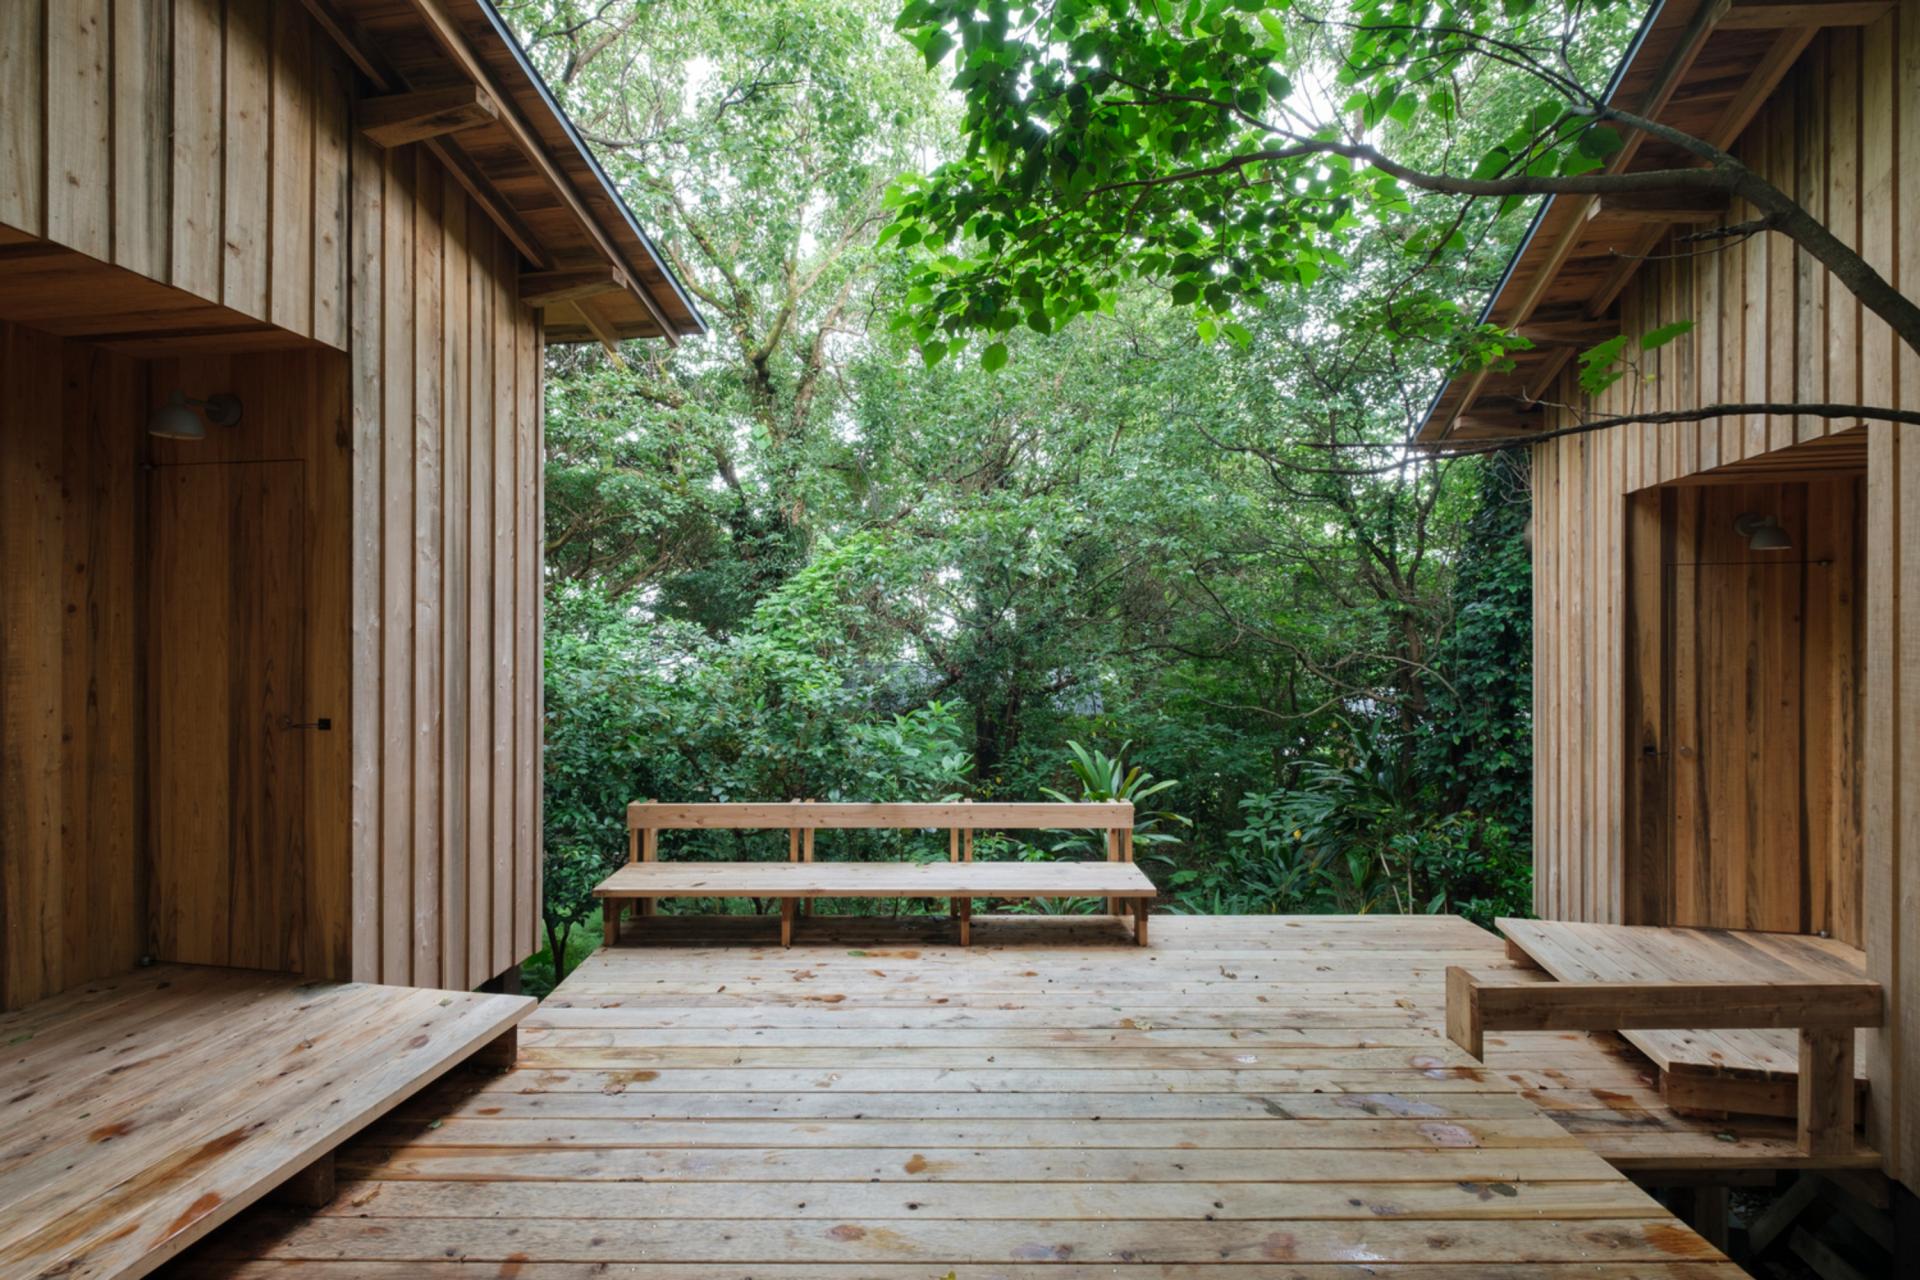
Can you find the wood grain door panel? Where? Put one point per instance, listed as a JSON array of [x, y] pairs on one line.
[[227, 764]]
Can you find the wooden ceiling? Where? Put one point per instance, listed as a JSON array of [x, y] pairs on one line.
[[449, 75], [1702, 66]]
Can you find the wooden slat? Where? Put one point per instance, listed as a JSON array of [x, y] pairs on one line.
[[395, 120], [877, 880], [809, 815]]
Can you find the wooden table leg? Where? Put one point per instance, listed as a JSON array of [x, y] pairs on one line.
[[786, 922], [966, 922], [1140, 908], [1826, 1092]]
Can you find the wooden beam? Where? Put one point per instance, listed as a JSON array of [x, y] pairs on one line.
[[1479, 424], [544, 288], [363, 53], [599, 326], [1769, 15], [1506, 1004], [402, 118], [1662, 208], [446, 33], [1700, 29], [1568, 333], [1826, 1091]]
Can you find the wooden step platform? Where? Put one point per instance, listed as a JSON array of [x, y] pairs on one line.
[[1748, 1072], [143, 1111]]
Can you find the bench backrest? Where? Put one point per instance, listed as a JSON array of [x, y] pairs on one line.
[[805, 814]]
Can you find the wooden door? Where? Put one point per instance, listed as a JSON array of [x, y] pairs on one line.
[[227, 758], [1756, 762]]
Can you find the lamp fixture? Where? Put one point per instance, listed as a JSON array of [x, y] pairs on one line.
[[180, 417], [1763, 533]]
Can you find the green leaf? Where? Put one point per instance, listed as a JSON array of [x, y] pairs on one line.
[[938, 45], [933, 352], [1654, 339], [1185, 293], [994, 358]]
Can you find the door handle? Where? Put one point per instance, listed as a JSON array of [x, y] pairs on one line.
[[323, 724]]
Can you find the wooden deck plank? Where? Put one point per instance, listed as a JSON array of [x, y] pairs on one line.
[[143, 1113], [1249, 1095]]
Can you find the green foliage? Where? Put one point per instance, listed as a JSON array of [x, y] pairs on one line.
[[818, 554], [1227, 151]]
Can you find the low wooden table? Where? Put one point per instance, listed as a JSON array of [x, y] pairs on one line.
[[792, 882]]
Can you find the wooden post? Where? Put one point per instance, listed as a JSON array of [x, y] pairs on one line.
[[953, 855], [311, 1188], [1141, 906], [1114, 905], [806, 855], [1463, 1012], [499, 1053], [609, 921], [649, 852], [966, 922], [786, 922], [1826, 1091]]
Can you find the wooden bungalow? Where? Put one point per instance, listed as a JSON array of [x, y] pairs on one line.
[[1727, 653], [275, 279]]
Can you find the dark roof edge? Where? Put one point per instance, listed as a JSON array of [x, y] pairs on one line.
[[1540, 215], [539, 83]]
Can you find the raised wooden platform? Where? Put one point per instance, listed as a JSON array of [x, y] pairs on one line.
[[1253, 1096], [142, 1112], [1748, 1072]]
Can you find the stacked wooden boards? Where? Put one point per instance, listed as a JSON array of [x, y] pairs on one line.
[[1749, 1071], [1251, 1096], [143, 1111]]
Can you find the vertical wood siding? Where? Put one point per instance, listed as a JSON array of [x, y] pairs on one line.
[[209, 144], [1843, 133], [70, 714], [445, 565]]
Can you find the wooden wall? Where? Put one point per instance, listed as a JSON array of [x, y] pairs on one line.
[[209, 144], [445, 584], [70, 713], [1840, 133]]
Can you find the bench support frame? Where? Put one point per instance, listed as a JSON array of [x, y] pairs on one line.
[[1826, 1015]]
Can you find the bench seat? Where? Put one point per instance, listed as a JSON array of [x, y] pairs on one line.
[[792, 882]]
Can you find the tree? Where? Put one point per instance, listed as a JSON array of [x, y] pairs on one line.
[[1227, 149]]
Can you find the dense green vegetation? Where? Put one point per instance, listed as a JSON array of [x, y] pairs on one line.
[[824, 553]]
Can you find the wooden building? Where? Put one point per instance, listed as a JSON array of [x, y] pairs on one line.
[[271, 698], [1728, 735], [275, 279]]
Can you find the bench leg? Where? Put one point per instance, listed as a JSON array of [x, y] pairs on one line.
[[966, 921], [786, 922], [610, 921], [499, 1053], [1464, 1027], [1140, 908], [1826, 1092], [311, 1188]]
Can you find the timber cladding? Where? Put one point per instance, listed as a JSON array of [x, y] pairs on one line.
[[1838, 133], [393, 428]]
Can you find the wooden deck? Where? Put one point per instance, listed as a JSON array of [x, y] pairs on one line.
[[1750, 1071], [1249, 1097], [142, 1112]]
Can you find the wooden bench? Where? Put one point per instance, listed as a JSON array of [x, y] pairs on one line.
[[1825, 1013], [645, 879], [143, 1111]]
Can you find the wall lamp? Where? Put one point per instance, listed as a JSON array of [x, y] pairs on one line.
[[1763, 533], [180, 417]]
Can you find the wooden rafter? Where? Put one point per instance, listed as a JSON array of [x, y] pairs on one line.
[[402, 118], [1770, 15]]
